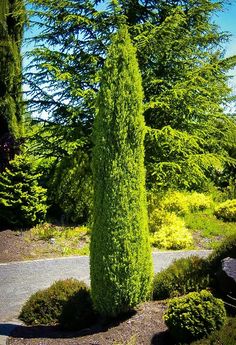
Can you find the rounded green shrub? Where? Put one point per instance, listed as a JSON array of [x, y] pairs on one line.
[[78, 312], [226, 210], [45, 307], [194, 316], [172, 234], [182, 276]]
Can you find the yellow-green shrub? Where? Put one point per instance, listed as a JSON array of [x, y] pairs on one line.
[[183, 202], [159, 218], [226, 210], [198, 201], [175, 202], [194, 316], [172, 234]]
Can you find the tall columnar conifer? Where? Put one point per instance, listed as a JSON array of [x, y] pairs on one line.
[[121, 263], [12, 17]]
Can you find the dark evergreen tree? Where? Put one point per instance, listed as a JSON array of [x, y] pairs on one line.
[[185, 74], [22, 199], [121, 262], [12, 17]]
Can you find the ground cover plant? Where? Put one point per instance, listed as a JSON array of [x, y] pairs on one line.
[[61, 240], [185, 220], [207, 229]]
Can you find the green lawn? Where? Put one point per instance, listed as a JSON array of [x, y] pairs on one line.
[[207, 229]]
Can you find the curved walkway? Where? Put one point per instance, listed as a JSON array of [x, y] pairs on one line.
[[18, 280]]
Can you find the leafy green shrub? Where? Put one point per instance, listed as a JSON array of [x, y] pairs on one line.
[[45, 307], [226, 210], [22, 199], [182, 276], [175, 202], [172, 234], [198, 201], [227, 248], [78, 312], [182, 202], [158, 218], [194, 316], [225, 336]]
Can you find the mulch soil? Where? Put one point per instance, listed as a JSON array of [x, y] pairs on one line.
[[15, 247], [144, 327]]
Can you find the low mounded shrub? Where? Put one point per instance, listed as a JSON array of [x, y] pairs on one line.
[[49, 306], [225, 336], [227, 248], [172, 234], [226, 210], [194, 316], [183, 202], [78, 312], [182, 276]]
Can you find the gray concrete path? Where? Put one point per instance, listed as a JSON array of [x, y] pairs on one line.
[[18, 280]]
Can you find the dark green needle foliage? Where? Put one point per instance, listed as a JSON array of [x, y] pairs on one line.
[[12, 17], [185, 82], [121, 264]]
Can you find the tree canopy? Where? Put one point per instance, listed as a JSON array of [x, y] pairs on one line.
[[185, 80]]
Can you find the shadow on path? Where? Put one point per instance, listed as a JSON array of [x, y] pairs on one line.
[[7, 328]]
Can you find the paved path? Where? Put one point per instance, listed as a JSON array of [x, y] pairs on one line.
[[18, 280]]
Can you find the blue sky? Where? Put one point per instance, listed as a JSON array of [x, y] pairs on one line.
[[227, 22]]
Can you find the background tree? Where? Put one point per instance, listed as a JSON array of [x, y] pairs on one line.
[[185, 80], [121, 262], [12, 18], [22, 199]]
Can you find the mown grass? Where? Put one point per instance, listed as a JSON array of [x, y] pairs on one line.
[[208, 227]]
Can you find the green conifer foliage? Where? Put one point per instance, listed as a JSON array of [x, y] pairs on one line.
[[121, 263], [22, 200], [12, 17]]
